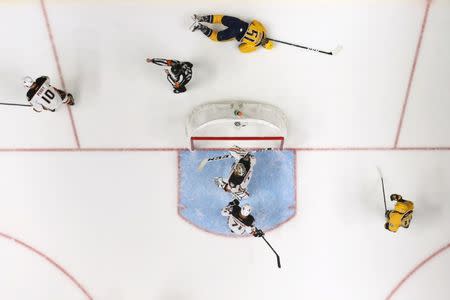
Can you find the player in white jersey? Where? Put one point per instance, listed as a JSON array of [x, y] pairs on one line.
[[240, 175], [240, 221], [42, 96]]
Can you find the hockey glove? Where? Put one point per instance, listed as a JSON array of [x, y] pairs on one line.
[[234, 202], [179, 89], [258, 233]]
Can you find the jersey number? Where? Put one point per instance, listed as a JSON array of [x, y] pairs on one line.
[[406, 219], [48, 94], [254, 34]]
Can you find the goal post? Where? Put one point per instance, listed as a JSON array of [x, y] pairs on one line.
[[248, 125]]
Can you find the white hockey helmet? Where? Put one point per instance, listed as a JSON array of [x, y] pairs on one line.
[[28, 81], [246, 210], [239, 170]]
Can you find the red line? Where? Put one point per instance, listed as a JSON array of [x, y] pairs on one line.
[[420, 265], [413, 70], [178, 182], [295, 183], [370, 149], [150, 149], [58, 66], [237, 138], [422, 148], [90, 149], [51, 261]]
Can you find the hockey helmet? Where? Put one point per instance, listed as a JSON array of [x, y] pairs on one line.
[[176, 69], [395, 197], [239, 170], [246, 210], [28, 81]]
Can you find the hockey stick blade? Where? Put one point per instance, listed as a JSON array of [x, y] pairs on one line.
[[278, 257], [379, 172], [336, 50], [202, 164], [205, 161]]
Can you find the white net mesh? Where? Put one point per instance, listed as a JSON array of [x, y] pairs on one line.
[[246, 124]]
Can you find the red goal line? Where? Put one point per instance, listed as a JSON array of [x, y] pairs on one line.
[[238, 138]]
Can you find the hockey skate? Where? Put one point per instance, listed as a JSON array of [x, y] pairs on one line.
[[197, 18], [242, 194], [70, 101], [195, 26]]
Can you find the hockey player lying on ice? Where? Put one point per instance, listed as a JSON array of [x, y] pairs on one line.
[[240, 220], [250, 35], [42, 96], [240, 175]]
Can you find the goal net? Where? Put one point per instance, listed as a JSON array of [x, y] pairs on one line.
[[244, 124]]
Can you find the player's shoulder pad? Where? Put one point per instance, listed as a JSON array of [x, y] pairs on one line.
[[41, 80]]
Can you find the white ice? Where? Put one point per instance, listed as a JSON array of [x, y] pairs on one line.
[[109, 218]]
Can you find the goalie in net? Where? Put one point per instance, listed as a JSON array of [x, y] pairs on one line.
[[240, 174]]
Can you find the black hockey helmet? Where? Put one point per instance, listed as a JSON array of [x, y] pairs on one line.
[[395, 197], [176, 69]]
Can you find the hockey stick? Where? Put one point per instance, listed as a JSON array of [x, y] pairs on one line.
[[278, 257], [334, 52], [15, 104], [382, 185], [203, 163]]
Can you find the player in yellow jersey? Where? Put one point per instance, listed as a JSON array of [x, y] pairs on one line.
[[250, 35], [401, 215]]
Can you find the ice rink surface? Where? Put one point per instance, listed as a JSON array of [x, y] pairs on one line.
[[89, 195]]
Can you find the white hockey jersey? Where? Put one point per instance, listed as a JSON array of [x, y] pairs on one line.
[[236, 222], [46, 97]]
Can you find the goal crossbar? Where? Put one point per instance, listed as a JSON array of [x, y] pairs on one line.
[[251, 125], [238, 138]]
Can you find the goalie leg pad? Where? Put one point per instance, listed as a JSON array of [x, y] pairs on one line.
[[241, 194]]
